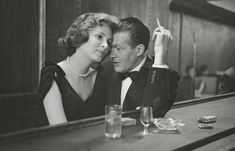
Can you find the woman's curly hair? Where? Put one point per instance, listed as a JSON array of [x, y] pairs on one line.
[[77, 33]]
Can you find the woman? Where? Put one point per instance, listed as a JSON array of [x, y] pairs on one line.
[[73, 89]]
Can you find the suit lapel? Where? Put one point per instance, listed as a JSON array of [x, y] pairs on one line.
[[135, 93]]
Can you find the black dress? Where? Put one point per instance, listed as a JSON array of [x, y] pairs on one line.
[[75, 108]]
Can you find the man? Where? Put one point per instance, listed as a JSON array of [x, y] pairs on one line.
[[151, 82]]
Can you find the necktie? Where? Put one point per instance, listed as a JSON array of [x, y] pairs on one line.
[[133, 75]]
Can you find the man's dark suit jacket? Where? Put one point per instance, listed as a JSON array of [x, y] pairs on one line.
[[154, 87]]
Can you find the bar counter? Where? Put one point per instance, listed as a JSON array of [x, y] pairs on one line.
[[74, 137]]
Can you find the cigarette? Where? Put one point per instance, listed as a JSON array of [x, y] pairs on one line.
[[158, 23]]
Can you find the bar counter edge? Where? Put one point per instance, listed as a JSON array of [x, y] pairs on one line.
[[48, 130]]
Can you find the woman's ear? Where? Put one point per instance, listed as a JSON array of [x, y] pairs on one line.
[[140, 50]]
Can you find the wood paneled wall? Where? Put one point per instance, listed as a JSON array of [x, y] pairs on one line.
[[19, 27], [214, 29], [215, 45], [59, 15], [18, 46], [19, 111]]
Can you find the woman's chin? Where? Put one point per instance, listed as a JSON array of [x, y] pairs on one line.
[[98, 58]]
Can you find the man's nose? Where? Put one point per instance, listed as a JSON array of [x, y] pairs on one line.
[[113, 53]]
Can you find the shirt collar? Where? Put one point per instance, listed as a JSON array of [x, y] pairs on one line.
[[140, 65]]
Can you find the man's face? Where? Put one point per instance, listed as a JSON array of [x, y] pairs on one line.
[[123, 55]]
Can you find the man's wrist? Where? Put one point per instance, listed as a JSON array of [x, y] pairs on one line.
[[163, 66], [160, 59]]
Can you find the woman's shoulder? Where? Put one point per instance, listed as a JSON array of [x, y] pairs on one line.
[[49, 72], [51, 68]]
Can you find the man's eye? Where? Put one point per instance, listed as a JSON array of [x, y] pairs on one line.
[[115, 48]]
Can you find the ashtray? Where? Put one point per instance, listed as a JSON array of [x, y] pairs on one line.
[[168, 124]]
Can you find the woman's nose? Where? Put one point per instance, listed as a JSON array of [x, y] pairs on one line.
[[104, 45]]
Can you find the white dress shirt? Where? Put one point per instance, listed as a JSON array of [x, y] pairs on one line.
[[127, 82]]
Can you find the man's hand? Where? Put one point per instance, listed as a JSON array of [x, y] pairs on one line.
[[163, 40]]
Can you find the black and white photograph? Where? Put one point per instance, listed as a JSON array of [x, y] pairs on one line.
[[117, 75]]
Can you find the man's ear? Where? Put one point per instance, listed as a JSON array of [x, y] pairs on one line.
[[140, 50]]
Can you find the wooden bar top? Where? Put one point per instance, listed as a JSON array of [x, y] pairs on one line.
[[189, 137]]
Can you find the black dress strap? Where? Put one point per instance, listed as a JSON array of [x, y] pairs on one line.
[[49, 72]]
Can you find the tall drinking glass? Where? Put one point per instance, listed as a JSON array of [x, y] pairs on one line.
[[113, 124], [146, 117]]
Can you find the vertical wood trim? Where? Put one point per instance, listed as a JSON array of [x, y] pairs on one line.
[[77, 8], [180, 41], [149, 13], [149, 23], [42, 33]]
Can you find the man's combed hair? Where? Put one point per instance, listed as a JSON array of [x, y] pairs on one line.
[[139, 33]]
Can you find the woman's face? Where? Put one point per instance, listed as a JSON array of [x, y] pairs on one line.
[[98, 43]]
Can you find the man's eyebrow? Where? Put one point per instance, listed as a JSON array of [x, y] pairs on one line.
[[115, 45]]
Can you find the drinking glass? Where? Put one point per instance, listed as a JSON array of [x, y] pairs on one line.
[[113, 124], [146, 117]]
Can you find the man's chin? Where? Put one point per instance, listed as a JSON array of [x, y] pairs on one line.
[[117, 69]]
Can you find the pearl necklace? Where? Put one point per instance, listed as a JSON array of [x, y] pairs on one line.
[[74, 71]]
